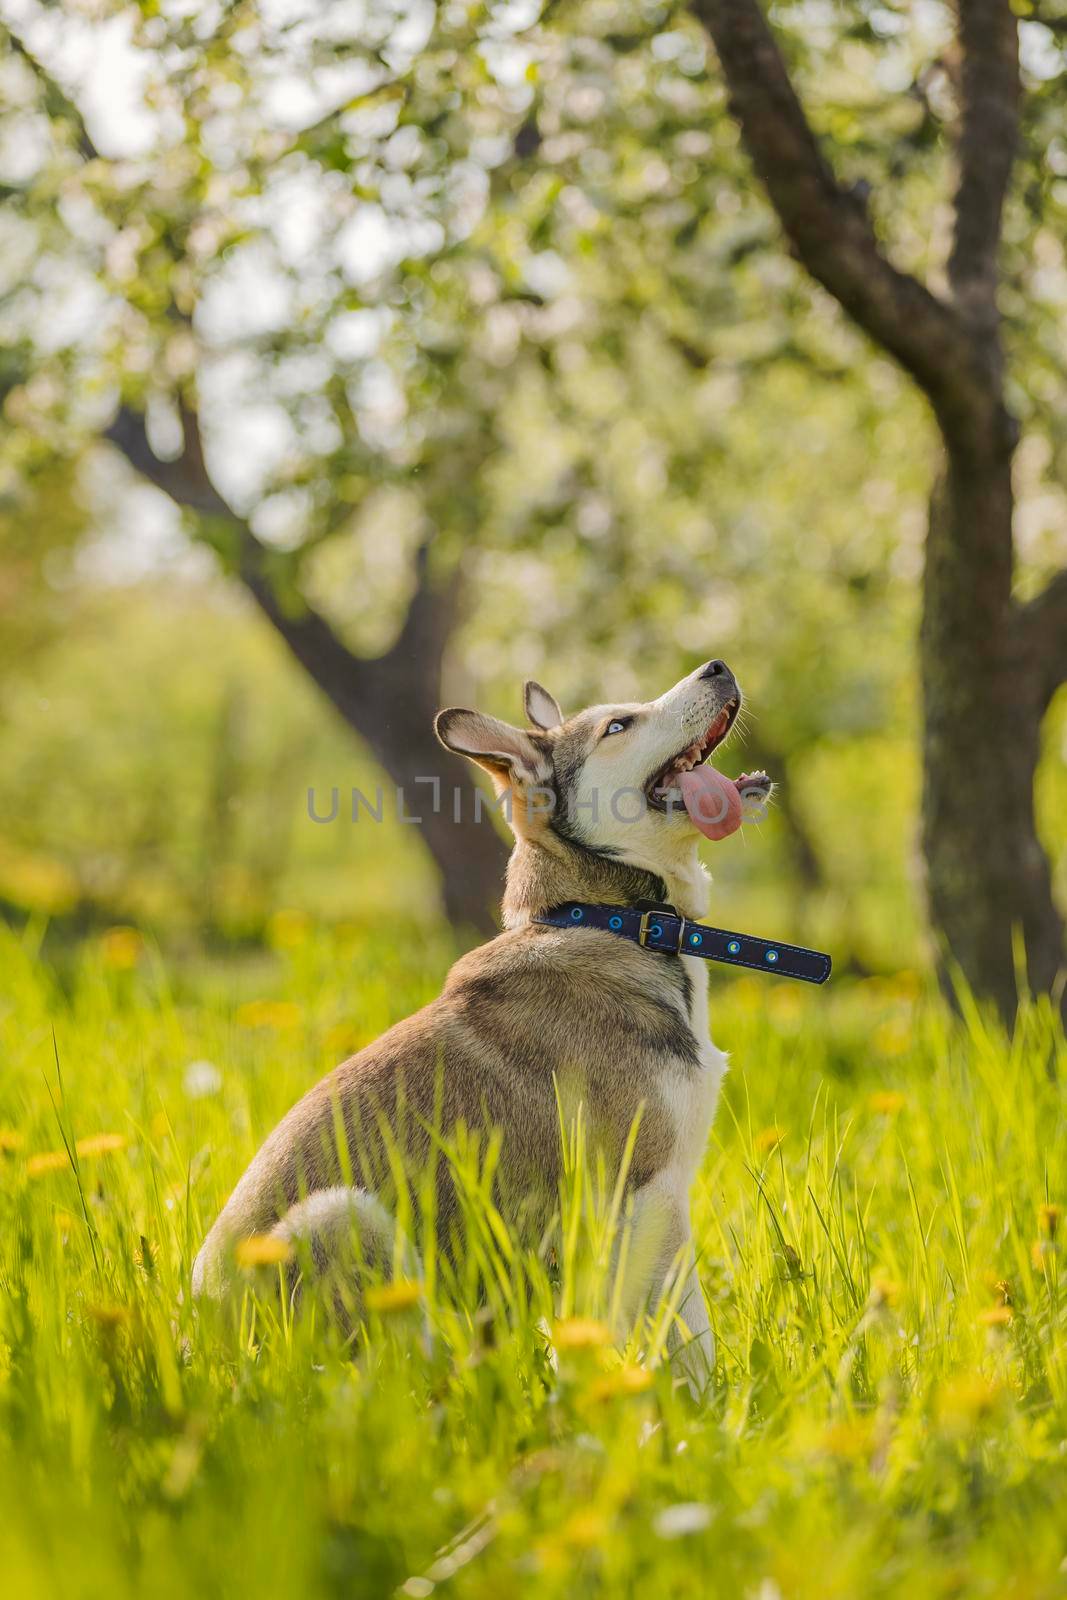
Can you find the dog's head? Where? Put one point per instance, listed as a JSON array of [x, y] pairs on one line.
[[610, 778]]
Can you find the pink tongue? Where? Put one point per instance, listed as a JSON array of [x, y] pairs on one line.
[[712, 801]]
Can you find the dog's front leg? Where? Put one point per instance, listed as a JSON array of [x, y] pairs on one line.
[[691, 1342], [658, 1252]]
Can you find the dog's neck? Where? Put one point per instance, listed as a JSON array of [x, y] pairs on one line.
[[542, 875]]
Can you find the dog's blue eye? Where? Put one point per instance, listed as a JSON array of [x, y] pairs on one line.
[[615, 727]]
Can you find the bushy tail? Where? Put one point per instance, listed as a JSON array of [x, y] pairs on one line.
[[333, 1224], [335, 1236]]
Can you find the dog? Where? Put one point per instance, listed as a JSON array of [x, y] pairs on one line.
[[594, 802]]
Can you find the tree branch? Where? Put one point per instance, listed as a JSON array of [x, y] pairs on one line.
[[1043, 625], [357, 684], [346, 676], [354, 682], [187, 482], [831, 232], [57, 103], [986, 147], [389, 700], [184, 479]]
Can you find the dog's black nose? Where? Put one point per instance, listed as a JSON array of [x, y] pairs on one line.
[[716, 669]]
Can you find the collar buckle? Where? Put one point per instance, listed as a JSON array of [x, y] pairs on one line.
[[652, 923]]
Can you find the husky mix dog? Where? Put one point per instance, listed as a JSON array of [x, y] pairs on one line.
[[602, 808]]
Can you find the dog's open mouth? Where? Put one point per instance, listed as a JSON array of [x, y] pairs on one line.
[[665, 783]]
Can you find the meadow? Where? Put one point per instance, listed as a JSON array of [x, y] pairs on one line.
[[880, 1232], [359, 361]]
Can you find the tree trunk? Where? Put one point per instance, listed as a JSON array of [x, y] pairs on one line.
[[390, 702], [988, 877], [469, 852], [985, 685]]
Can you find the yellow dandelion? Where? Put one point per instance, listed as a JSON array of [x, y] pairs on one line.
[[580, 1333], [121, 948], [288, 928], [551, 1556], [846, 1439], [624, 1381], [906, 985], [40, 884], [101, 1144], [46, 1161], [342, 1039], [277, 1014], [785, 1004], [892, 1038], [109, 1317], [886, 1102], [768, 1139], [262, 1250], [1042, 1254], [10, 1141], [585, 1529], [386, 1298], [748, 995], [145, 1256], [995, 1316], [968, 1399], [66, 1223], [885, 1291], [1048, 1219]]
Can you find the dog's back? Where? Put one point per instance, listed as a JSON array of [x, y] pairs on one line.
[[534, 1015]]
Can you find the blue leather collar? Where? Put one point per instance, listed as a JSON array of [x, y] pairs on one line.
[[662, 928]]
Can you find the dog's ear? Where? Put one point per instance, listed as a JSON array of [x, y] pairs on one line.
[[507, 753], [542, 710]]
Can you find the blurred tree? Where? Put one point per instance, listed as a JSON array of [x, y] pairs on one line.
[[691, 404], [529, 280], [151, 241], [990, 664], [453, 303], [43, 517]]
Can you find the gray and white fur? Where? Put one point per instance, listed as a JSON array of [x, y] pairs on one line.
[[534, 1008]]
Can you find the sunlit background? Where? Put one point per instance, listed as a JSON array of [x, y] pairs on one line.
[[567, 358], [363, 357]]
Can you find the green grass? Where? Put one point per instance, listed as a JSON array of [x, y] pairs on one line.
[[878, 1244]]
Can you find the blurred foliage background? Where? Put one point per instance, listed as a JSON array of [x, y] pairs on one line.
[[349, 301]]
